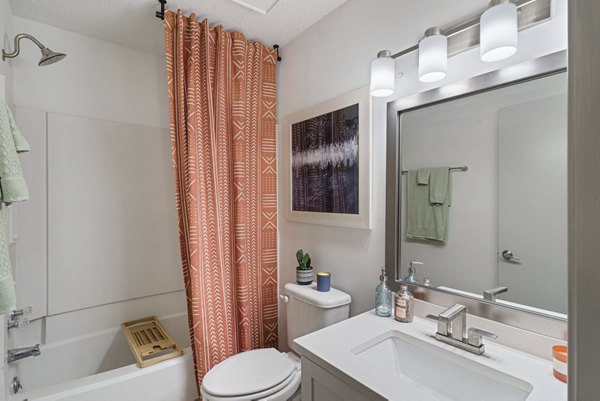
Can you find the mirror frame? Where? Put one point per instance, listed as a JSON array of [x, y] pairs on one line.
[[538, 322]]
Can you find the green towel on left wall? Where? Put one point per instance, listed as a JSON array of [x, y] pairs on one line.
[[8, 297], [12, 189], [428, 197]]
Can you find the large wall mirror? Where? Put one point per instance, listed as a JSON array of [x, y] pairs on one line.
[[492, 151]]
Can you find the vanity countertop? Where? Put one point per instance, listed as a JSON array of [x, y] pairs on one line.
[[334, 346]]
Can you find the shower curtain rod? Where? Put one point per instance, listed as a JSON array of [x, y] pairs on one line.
[[161, 15]]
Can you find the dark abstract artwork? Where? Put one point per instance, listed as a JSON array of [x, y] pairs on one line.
[[325, 163]]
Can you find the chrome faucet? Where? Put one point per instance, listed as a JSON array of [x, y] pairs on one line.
[[490, 295], [452, 329], [21, 353], [453, 322]]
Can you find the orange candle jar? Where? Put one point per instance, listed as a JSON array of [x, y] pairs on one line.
[[559, 362]]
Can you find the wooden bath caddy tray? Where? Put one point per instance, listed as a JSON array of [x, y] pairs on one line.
[[149, 341]]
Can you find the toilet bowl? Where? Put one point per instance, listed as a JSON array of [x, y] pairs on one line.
[[267, 374]]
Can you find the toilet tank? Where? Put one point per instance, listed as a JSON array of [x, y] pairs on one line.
[[309, 310]]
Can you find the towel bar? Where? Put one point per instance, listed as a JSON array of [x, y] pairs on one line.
[[459, 168]]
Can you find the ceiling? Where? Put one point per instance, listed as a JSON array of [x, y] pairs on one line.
[[132, 23]]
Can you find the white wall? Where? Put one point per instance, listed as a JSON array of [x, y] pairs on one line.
[[333, 57], [98, 81]]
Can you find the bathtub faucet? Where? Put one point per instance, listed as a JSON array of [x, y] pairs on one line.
[[20, 353]]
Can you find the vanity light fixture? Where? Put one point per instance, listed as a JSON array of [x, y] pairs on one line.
[[383, 71], [499, 31], [433, 56], [495, 29]]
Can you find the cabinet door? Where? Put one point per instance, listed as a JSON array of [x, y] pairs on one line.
[[320, 385]]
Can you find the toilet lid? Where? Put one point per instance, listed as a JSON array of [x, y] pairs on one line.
[[248, 372]]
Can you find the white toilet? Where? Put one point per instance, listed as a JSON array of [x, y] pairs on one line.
[[270, 375]]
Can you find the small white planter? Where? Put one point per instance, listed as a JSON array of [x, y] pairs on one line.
[[305, 277]]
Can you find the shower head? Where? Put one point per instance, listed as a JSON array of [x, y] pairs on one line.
[[48, 56]]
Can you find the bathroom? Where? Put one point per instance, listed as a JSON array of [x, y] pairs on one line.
[[102, 124]]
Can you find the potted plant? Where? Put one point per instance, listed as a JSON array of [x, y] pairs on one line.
[[304, 271]]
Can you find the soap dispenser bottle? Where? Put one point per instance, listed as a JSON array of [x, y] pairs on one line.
[[412, 272], [383, 296], [404, 303]]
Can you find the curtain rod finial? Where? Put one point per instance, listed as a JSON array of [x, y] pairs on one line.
[[276, 47], [161, 14]]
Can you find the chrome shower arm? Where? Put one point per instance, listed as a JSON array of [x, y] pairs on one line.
[[48, 56], [17, 45]]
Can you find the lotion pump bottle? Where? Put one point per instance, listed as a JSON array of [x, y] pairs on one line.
[[404, 303], [412, 272], [383, 296]]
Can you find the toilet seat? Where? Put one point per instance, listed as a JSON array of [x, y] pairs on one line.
[[251, 375], [281, 392]]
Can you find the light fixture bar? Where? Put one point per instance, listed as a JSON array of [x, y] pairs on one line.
[[465, 35]]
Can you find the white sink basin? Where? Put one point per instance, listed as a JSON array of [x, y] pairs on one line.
[[444, 375]]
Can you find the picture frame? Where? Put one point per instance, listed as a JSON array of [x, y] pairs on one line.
[[331, 167]]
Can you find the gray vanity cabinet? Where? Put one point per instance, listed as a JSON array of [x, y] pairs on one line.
[[327, 384]]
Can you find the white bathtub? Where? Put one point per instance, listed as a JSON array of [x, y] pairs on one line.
[[100, 367]]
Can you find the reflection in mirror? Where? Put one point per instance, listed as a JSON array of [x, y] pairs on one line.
[[506, 225]]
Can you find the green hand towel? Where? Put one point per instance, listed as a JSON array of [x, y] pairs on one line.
[[427, 205], [423, 176], [21, 144], [12, 184], [13, 189], [439, 185]]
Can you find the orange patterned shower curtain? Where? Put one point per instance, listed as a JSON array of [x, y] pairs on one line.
[[222, 105]]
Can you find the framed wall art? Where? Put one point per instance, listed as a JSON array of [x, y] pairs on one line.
[[327, 162]]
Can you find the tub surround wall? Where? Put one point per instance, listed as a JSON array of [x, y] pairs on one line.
[[98, 79], [128, 249], [6, 94], [3, 96], [110, 85], [333, 57], [31, 216]]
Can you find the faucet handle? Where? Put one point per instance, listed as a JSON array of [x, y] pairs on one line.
[[18, 323], [442, 324], [27, 310], [476, 335], [453, 311], [490, 295]]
